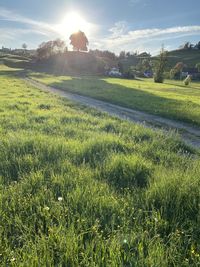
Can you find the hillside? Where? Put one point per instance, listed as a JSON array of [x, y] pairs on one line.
[[87, 63], [188, 57], [67, 63]]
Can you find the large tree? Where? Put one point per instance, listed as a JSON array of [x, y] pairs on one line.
[[79, 41]]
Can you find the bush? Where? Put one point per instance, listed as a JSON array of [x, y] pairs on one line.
[[187, 80]]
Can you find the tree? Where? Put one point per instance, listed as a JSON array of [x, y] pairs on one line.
[[187, 46], [122, 55], [144, 65], [50, 48], [175, 73], [79, 41], [59, 46], [198, 45], [160, 67], [24, 46], [198, 66]]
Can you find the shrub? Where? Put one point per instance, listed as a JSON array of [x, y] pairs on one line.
[[187, 80]]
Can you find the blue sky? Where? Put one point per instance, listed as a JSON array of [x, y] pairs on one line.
[[131, 25]]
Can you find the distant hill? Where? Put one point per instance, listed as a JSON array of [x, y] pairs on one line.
[[189, 57], [68, 63]]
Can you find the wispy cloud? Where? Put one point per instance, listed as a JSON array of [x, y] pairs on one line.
[[119, 29], [120, 36], [132, 39], [10, 33], [41, 27]]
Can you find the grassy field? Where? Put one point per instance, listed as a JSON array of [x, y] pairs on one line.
[[171, 99], [79, 188]]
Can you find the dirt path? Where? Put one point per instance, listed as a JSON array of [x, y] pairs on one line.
[[190, 134]]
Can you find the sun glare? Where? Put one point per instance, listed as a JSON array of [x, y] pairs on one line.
[[73, 22]]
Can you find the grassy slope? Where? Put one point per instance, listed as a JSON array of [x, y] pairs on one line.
[[130, 196], [171, 99], [188, 57]]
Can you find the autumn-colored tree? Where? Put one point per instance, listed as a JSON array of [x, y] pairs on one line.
[[175, 73], [79, 41]]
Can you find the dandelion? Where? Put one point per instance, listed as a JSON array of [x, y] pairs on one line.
[[156, 220], [60, 199], [13, 259], [125, 241]]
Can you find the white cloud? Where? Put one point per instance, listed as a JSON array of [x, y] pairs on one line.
[[119, 37], [42, 27], [119, 29], [133, 39]]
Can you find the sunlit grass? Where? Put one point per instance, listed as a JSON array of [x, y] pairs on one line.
[[171, 99], [80, 188]]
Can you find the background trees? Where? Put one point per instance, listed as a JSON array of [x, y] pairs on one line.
[[198, 66], [79, 41], [50, 48]]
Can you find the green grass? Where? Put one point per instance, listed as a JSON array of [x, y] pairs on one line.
[[188, 57], [171, 99], [80, 188]]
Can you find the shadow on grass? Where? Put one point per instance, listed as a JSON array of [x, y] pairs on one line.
[[13, 72], [134, 98]]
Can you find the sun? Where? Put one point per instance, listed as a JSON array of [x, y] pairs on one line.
[[73, 22]]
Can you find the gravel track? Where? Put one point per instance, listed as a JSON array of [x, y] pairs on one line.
[[190, 134]]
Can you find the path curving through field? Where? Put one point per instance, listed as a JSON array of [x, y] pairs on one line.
[[190, 134]]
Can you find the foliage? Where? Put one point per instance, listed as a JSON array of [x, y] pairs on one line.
[[24, 46], [61, 202], [198, 66], [175, 72], [160, 67], [79, 41], [144, 65], [187, 80], [103, 54], [50, 48], [122, 55]]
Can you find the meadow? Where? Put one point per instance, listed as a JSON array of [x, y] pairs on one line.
[[81, 188], [171, 100]]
